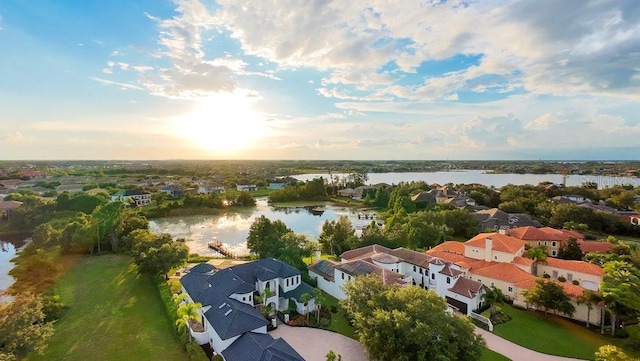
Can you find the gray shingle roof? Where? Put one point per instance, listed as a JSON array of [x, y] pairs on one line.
[[297, 292], [195, 283], [232, 318], [260, 347]]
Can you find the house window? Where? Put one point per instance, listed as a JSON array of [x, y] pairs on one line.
[[342, 275], [448, 280], [553, 244], [539, 243], [495, 257], [250, 297], [492, 285], [349, 278], [244, 298], [414, 282], [545, 243], [433, 276], [287, 282], [554, 253], [420, 270], [554, 274], [569, 277], [510, 289], [414, 268]]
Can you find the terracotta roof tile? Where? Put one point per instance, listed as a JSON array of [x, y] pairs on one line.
[[501, 242], [504, 272], [523, 261], [577, 266], [595, 246], [364, 252], [450, 246], [466, 287]]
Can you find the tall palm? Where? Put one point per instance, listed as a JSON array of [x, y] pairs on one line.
[[305, 298], [537, 254], [589, 298], [319, 300], [492, 296], [188, 312]]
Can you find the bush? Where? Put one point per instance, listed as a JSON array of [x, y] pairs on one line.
[[217, 358], [546, 276], [621, 333], [52, 307], [562, 279], [334, 309], [576, 282], [195, 352], [633, 343]]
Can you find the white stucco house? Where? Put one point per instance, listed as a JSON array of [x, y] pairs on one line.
[[132, 197], [403, 267], [233, 326]]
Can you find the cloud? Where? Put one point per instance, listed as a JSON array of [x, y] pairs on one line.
[[16, 137], [121, 85]]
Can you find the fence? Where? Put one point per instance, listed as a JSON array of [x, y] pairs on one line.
[[482, 319]]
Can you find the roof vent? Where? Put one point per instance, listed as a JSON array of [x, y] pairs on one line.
[[222, 305], [228, 312]]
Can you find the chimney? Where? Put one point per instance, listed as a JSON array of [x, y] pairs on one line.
[[318, 255], [488, 245], [502, 231]]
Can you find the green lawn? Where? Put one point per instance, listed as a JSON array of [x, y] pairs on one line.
[[339, 322], [113, 314], [549, 334], [488, 355]]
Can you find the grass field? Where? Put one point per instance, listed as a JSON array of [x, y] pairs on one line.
[[488, 355], [549, 334], [113, 314]]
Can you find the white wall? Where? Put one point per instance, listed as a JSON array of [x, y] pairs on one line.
[[332, 288]]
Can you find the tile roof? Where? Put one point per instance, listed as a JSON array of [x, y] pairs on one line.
[[260, 347], [413, 257], [448, 271], [576, 266], [466, 287], [364, 252], [10, 204], [450, 246], [357, 267], [595, 246], [385, 258], [501, 242], [297, 292], [523, 261], [572, 290], [504, 272]]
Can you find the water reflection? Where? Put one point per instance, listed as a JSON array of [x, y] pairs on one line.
[[232, 228], [7, 253]]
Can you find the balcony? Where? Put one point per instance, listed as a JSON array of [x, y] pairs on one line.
[[200, 335]]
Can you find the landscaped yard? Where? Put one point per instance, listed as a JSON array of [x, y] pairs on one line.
[[488, 355], [339, 322], [549, 334], [113, 314]]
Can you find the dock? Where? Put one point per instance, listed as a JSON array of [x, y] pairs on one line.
[[219, 247]]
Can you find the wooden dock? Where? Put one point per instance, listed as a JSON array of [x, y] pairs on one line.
[[219, 247]]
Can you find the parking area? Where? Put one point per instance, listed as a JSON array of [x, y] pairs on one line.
[[313, 344]]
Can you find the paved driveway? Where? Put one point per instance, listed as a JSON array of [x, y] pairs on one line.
[[313, 344]]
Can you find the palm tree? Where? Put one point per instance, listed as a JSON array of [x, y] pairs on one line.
[[589, 298], [305, 298], [319, 300], [537, 254], [492, 296], [187, 313]]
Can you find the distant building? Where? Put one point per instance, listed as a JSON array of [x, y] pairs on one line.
[[132, 197], [282, 182], [246, 187], [496, 219]]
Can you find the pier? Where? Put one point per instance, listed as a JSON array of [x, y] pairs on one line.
[[219, 247]]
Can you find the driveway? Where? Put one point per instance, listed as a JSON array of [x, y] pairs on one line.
[[516, 352], [313, 344]]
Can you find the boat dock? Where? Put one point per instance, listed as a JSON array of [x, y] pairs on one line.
[[219, 247]]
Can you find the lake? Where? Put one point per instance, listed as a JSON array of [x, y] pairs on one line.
[[480, 176], [232, 228], [7, 252]]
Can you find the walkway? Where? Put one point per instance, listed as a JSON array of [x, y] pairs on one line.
[[313, 344], [516, 352]]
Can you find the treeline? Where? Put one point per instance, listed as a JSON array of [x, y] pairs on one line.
[[164, 205], [313, 190]]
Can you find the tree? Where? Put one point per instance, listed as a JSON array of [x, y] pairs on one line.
[[305, 298], [264, 236], [319, 300], [620, 288], [23, 328], [407, 323], [549, 295], [589, 298], [492, 296], [187, 313], [336, 235], [537, 254], [570, 250], [156, 254]]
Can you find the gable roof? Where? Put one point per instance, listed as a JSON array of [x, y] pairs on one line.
[[297, 292], [424, 197], [202, 268], [449, 246], [504, 272], [231, 318], [466, 287], [500, 242], [413, 257], [364, 252], [576, 266], [260, 347], [595, 246]]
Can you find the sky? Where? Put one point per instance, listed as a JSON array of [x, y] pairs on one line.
[[320, 79]]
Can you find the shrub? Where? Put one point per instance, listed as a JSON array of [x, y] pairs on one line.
[[562, 279], [620, 333], [217, 358], [576, 282], [195, 352], [334, 309], [546, 276]]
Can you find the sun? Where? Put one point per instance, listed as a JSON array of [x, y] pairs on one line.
[[225, 123]]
